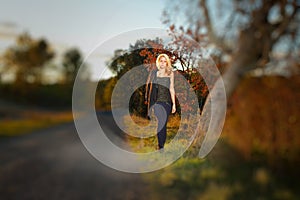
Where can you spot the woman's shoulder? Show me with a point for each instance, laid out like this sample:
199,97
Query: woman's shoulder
154,72
168,76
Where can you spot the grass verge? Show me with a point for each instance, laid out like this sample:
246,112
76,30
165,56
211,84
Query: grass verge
223,174
29,121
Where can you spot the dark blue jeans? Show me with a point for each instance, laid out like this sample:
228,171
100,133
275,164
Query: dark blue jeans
162,111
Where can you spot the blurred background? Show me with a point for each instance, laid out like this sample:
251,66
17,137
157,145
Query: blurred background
254,44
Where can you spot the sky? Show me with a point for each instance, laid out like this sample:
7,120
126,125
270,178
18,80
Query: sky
73,23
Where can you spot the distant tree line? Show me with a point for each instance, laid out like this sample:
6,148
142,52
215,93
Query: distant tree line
36,75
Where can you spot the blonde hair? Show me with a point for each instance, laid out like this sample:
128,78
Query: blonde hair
169,67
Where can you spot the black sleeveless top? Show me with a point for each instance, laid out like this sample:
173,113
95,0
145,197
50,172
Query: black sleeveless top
163,92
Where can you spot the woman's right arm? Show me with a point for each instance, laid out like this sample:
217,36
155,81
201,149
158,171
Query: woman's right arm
147,88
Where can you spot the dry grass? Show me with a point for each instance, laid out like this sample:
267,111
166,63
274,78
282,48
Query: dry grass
144,130
28,121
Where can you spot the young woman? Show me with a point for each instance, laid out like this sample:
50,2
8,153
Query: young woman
160,95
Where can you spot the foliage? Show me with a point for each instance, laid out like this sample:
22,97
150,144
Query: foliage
123,62
224,24
144,52
258,150
100,103
27,58
270,126
246,35
72,60
52,96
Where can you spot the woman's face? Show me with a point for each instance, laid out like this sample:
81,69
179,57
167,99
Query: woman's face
163,62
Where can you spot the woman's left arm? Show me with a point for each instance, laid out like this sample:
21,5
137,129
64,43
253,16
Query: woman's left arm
172,92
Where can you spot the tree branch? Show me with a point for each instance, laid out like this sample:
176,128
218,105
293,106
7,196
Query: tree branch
211,35
281,27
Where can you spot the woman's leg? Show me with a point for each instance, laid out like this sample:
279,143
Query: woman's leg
162,111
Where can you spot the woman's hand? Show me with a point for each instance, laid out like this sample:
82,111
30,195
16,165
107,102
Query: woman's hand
173,108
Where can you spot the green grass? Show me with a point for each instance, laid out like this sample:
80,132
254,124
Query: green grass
223,174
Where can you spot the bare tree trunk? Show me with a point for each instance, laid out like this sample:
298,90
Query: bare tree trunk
213,115
214,111
254,44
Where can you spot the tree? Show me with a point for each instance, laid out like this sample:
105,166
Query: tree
249,32
27,58
176,52
141,53
72,60
144,52
252,33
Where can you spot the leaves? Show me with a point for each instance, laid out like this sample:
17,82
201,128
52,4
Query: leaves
27,57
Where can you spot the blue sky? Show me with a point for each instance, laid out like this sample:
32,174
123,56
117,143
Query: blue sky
74,23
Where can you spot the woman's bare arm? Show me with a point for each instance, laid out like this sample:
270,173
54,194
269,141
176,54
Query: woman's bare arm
172,92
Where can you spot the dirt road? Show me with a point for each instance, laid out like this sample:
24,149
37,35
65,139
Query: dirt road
54,164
